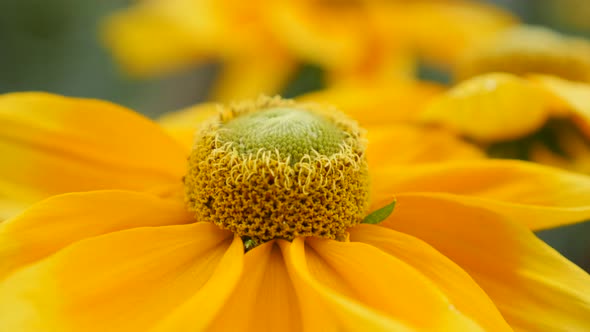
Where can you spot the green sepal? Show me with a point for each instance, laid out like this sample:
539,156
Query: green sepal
248,243
380,214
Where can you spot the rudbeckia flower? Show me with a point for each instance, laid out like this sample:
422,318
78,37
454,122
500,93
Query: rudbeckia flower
261,44
263,224
523,94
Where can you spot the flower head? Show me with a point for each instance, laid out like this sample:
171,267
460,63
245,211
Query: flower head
118,249
261,44
525,50
289,158
528,97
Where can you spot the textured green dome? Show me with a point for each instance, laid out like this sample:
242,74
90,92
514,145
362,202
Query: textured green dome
289,131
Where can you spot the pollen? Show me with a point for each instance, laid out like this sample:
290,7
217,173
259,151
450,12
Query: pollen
274,168
529,50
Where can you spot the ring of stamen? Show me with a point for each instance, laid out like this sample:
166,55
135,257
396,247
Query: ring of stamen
276,169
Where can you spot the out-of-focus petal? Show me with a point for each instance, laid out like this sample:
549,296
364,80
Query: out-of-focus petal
377,105
404,144
52,144
574,96
489,108
59,221
336,273
248,77
332,35
384,66
535,288
525,49
147,43
455,283
183,124
123,281
440,31
152,37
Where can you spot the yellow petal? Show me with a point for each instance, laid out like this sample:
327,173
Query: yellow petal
215,294
489,108
455,283
183,124
153,37
359,273
53,144
326,309
123,281
525,49
264,298
442,30
535,288
537,196
247,77
145,42
377,105
402,144
332,35
59,221
575,97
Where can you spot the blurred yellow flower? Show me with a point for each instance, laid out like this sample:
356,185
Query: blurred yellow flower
527,49
118,251
542,115
261,44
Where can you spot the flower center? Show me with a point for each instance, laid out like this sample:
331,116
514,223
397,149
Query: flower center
276,169
289,132
526,50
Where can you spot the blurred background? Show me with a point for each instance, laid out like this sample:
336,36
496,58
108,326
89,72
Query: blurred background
54,46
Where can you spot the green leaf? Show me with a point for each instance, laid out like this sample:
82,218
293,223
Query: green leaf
379,215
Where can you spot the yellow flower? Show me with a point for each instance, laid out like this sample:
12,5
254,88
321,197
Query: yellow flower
118,251
260,44
542,115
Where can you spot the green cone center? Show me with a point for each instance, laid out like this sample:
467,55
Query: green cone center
293,133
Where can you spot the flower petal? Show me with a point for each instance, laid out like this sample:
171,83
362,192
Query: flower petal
264,298
327,309
492,107
574,96
215,293
443,30
57,144
183,124
249,76
360,275
403,144
59,221
123,281
328,34
535,288
538,196
145,42
455,283
377,105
